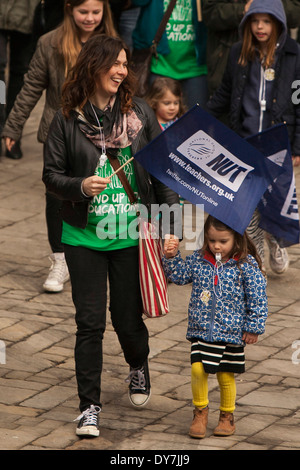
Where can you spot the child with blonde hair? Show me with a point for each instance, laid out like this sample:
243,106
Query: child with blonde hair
165,98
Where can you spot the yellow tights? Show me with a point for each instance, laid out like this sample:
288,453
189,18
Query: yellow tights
200,388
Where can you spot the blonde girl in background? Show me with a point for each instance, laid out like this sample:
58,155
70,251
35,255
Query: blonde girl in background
165,98
54,57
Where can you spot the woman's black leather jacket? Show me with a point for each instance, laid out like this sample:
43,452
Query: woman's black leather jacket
69,157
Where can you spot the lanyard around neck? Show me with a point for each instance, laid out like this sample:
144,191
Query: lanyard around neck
103,156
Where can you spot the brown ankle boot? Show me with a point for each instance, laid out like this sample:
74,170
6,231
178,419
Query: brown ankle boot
198,426
226,425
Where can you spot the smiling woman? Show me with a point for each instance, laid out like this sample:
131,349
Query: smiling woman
100,72
110,81
102,124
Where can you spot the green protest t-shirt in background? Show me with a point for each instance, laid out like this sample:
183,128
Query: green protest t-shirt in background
112,219
181,62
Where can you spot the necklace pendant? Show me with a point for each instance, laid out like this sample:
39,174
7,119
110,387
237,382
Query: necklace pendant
102,159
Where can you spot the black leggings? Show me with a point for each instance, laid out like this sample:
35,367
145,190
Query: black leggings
89,272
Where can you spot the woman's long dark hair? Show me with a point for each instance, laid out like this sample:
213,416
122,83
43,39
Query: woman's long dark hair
242,247
97,56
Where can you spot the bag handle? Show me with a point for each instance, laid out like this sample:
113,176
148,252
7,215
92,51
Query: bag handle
122,177
162,25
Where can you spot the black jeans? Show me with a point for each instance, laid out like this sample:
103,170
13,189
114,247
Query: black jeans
54,223
89,271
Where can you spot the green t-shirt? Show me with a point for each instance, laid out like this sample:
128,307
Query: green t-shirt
181,62
112,220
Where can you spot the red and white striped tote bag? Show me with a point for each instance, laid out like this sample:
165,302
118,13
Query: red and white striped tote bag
152,277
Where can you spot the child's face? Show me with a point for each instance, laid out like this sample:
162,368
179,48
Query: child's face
167,108
261,27
220,241
88,16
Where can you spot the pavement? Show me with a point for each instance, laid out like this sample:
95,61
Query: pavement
38,395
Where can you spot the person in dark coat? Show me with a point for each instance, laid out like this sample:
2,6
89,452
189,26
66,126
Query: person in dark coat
222,18
16,50
47,16
257,89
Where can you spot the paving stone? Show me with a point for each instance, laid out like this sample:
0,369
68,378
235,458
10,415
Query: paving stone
60,438
16,440
266,396
278,435
278,367
49,398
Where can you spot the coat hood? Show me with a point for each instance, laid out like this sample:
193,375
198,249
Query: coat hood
271,7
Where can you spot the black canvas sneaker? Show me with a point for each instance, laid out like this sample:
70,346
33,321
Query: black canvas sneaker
88,425
139,385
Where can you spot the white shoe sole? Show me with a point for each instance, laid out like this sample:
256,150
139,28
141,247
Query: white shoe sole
88,431
53,288
141,399
278,271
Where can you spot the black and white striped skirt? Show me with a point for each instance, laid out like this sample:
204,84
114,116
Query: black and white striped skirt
218,357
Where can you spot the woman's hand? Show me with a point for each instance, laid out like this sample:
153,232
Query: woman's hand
9,143
296,160
94,185
250,338
171,245
247,6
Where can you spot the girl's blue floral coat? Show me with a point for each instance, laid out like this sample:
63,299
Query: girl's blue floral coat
223,305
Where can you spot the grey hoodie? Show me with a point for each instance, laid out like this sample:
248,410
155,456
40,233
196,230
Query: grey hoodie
258,92
271,7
